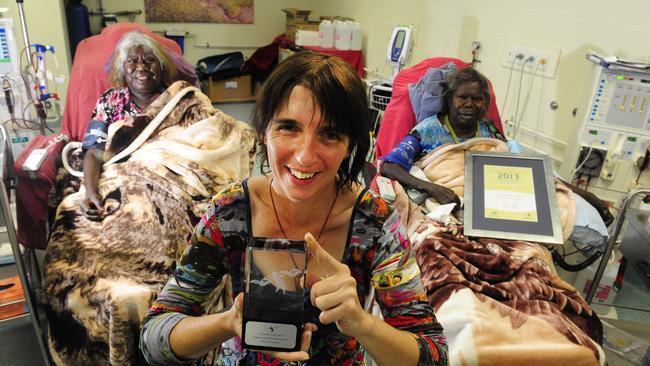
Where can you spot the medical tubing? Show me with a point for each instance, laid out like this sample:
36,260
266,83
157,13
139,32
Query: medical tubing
591,148
505,99
587,248
9,98
521,79
530,90
559,260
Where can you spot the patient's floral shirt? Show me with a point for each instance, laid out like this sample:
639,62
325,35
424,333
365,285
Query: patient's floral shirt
113,105
378,254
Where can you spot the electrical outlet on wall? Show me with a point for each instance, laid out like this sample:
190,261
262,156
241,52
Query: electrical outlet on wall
515,55
541,61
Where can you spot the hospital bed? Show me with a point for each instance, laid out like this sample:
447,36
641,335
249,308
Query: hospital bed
88,79
99,279
499,301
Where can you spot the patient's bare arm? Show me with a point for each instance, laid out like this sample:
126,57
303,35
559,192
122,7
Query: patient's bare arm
441,194
91,205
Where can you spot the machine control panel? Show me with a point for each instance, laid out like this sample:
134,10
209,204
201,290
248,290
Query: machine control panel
8,53
614,137
622,100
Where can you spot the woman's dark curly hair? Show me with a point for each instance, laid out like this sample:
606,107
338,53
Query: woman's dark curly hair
338,92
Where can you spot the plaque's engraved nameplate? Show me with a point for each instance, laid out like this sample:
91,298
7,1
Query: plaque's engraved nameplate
275,335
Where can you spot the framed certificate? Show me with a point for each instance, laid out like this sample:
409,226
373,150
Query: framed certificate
511,196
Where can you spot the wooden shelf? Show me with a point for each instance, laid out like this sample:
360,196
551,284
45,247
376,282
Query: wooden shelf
235,100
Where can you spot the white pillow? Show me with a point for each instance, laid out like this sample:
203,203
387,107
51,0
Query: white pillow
589,227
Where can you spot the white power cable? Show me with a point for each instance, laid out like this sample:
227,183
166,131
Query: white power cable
525,106
521,78
505,99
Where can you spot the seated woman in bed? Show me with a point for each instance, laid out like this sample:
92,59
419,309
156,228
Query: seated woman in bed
467,98
114,243
141,69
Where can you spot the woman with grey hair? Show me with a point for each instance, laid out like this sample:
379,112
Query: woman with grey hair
140,70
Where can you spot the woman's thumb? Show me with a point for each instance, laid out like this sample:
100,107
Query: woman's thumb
239,302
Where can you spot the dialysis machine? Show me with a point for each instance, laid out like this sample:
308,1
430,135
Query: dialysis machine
613,142
14,97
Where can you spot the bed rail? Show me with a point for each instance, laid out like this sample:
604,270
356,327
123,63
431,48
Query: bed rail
6,164
618,226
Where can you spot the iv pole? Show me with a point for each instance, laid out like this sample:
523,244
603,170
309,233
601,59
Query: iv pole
20,264
23,24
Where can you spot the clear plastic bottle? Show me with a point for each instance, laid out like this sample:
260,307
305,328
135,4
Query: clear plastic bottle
342,36
326,34
356,36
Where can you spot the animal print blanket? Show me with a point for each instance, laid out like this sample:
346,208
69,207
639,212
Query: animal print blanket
500,302
100,277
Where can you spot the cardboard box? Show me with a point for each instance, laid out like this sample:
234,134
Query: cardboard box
293,28
237,89
12,299
306,38
296,15
298,19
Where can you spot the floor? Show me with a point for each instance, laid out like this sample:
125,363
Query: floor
18,342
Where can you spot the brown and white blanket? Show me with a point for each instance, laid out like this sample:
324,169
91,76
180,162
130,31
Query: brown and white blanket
500,302
100,277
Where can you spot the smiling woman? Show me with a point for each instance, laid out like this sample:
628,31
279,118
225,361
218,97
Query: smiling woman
312,120
140,70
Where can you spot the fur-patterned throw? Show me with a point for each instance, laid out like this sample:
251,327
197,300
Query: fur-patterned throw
99,277
500,302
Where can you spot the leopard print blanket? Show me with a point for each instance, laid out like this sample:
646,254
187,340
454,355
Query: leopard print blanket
100,277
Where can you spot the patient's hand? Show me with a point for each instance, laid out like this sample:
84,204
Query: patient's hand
92,207
442,195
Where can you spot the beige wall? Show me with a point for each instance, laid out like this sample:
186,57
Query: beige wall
45,25
444,28
447,28
269,22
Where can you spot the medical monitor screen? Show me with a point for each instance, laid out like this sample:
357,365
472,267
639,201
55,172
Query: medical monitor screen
399,39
